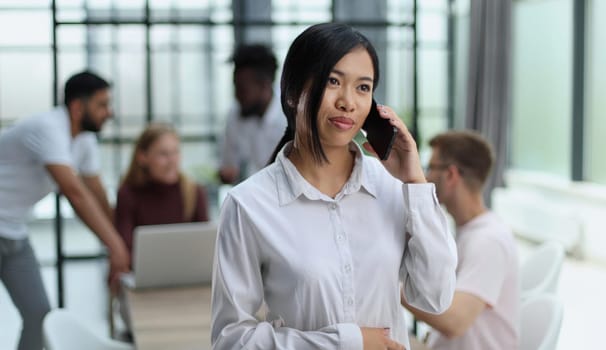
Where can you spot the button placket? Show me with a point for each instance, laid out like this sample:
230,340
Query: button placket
348,284
345,261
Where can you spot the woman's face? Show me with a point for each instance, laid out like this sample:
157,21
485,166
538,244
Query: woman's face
162,159
347,99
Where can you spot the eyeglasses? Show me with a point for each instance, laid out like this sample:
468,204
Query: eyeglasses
440,166
435,167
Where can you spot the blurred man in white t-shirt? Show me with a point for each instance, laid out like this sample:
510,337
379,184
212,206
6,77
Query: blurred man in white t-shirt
485,308
39,154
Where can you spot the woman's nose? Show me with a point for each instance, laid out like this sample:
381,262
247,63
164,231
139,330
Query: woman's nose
345,102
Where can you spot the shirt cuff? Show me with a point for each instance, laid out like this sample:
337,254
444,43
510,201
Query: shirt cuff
350,336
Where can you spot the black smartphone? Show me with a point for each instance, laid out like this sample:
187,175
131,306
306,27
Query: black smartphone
379,133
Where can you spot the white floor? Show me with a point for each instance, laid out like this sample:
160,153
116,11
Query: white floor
584,295
582,288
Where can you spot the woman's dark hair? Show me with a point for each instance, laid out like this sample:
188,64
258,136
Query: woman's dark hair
308,64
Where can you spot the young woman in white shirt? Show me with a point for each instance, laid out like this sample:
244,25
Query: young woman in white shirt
325,234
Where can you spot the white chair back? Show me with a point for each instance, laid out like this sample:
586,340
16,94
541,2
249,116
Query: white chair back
540,272
541,320
63,332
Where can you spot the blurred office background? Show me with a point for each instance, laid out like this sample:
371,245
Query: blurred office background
529,74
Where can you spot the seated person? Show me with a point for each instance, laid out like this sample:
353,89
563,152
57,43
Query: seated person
485,308
154,190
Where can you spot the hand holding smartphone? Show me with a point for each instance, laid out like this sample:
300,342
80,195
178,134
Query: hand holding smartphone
379,132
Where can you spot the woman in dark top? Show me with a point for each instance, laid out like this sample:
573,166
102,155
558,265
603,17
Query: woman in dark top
154,190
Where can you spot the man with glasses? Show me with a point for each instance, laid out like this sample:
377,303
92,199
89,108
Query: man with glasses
485,307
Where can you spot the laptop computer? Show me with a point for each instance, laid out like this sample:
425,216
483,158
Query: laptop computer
172,255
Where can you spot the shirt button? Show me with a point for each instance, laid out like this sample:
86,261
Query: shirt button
333,206
340,238
350,301
347,268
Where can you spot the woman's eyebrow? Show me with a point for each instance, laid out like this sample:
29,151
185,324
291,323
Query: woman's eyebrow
342,74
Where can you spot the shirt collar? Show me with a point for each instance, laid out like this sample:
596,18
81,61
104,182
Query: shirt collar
291,184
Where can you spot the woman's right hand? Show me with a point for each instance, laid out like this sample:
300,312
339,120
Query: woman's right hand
403,162
378,339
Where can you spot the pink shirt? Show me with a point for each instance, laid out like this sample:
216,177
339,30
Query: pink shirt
488,269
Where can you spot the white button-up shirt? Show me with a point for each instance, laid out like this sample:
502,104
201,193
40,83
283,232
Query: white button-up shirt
327,266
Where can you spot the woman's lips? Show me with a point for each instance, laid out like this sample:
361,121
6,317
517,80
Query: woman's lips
342,123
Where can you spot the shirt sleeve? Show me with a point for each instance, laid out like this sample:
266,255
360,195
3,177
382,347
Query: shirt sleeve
430,257
237,294
48,144
483,270
124,216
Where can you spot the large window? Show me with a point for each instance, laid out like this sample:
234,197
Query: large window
432,63
541,88
169,66
596,86
432,58
167,60
460,69
25,59
172,65
543,109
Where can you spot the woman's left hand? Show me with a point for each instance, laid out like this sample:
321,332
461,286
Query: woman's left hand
403,161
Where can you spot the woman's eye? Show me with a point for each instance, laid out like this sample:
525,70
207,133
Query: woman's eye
365,88
333,81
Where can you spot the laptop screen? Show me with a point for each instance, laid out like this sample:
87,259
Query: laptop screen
173,254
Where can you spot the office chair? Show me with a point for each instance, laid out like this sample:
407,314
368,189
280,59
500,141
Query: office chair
62,331
541,320
540,272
